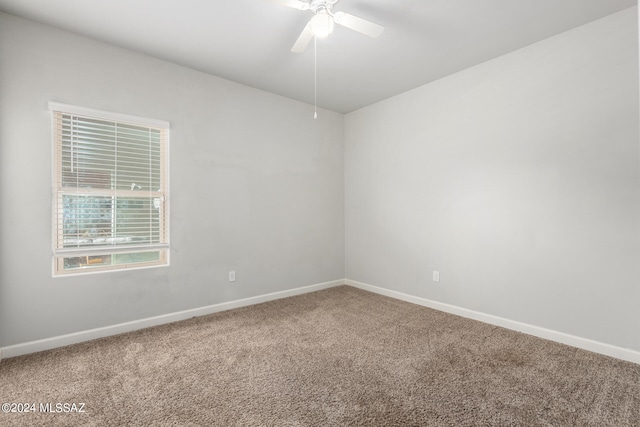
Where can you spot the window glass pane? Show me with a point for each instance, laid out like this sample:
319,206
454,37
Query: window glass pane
88,147
99,154
136,257
95,261
86,218
136,220
106,220
87,261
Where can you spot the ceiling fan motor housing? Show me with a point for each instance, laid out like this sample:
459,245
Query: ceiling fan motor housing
321,5
324,20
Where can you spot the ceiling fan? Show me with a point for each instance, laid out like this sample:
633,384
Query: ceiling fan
323,20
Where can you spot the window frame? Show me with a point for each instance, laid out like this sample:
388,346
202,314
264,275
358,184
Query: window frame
59,251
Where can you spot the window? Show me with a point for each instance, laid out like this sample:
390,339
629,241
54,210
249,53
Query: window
110,191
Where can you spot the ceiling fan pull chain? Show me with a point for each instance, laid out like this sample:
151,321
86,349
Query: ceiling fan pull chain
315,77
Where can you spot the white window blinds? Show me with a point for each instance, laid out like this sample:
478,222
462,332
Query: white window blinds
110,190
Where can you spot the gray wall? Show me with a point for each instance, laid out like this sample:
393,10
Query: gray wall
517,179
256,186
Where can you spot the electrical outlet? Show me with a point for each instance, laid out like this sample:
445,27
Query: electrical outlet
436,276
232,276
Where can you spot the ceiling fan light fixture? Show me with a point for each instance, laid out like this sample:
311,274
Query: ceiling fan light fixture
322,24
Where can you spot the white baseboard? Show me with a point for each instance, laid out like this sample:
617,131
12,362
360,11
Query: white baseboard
560,337
78,337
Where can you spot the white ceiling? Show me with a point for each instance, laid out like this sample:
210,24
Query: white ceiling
248,41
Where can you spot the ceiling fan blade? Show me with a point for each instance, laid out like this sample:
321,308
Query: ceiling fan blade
295,4
303,40
358,24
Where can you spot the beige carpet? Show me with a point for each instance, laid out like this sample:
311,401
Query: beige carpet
339,357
